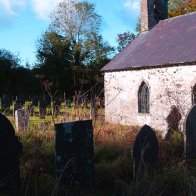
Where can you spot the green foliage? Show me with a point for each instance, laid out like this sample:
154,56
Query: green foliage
72,52
181,7
124,39
14,78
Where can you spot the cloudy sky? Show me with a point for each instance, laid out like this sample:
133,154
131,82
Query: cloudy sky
23,21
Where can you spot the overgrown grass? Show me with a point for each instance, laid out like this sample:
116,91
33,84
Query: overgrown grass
113,163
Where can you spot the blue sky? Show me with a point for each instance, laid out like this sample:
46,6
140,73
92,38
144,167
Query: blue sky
23,21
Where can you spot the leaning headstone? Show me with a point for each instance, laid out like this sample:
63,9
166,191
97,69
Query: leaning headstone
22,119
145,152
10,151
173,121
75,153
190,134
30,108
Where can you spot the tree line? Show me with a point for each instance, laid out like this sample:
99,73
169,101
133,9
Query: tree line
70,53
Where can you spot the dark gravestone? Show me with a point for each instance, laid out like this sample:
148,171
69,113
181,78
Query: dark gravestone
75,153
173,121
42,109
145,152
190,134
35,101
20,100
10,151
30,108
5,103
68,103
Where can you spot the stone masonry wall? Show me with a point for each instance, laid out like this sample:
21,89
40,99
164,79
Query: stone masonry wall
167,86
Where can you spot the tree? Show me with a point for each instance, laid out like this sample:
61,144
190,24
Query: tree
72,50
15,79
78,22
54,56
180,7
124,39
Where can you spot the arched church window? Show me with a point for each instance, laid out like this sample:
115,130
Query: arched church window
194,95
143,98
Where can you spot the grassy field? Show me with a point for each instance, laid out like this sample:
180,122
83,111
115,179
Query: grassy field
113,162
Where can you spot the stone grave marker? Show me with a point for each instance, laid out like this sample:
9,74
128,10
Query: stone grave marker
30,108
190,134
20,100
35,101
145,152
75,153
42,109
17,106
10,151
22,119
68,103
5,103
93,113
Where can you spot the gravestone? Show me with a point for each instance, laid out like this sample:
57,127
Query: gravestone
68,103
22,119
17,106
93,113
20,100
145,152
75,153
35,101
42,109
190,134
30,108
5,103
10,151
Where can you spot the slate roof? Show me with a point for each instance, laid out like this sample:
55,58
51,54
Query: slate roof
170,42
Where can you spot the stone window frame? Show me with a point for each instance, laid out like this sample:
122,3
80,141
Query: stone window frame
143,98
193,94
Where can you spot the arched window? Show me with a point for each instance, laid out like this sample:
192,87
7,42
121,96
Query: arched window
143,98
194,95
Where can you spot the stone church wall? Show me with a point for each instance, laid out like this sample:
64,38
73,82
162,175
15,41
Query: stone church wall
168,86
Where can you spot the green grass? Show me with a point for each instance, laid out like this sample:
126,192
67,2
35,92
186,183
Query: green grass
113,162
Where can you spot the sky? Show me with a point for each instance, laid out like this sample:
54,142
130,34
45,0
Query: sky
22,22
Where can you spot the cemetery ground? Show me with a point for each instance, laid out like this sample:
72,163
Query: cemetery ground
113,161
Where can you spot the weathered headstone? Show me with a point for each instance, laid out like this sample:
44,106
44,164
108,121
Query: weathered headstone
10,151
22,119
173,121
190,134
75,153
17,106
93,113
145,152
30,108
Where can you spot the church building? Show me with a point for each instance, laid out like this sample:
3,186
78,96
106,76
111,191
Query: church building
155,72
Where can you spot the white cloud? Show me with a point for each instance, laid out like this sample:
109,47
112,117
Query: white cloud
132,5
11,7
43,8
